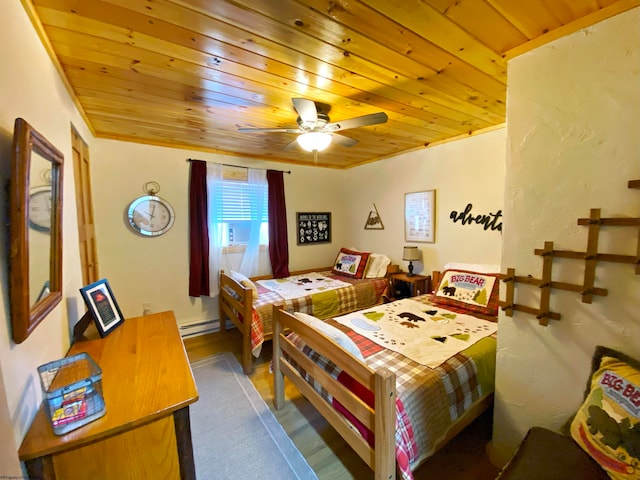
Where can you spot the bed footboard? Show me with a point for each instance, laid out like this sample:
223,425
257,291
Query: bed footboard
236,303
380,419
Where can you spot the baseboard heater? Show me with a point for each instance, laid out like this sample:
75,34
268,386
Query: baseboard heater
193,329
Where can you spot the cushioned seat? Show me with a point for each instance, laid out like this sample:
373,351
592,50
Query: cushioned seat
547,455
604,434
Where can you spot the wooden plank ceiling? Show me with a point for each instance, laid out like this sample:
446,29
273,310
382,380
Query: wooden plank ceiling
189,73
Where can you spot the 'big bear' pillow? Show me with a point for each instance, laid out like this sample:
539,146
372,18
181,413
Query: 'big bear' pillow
473,291
607,425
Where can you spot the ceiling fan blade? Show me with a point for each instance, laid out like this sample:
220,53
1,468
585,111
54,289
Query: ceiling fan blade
362,121
291,145
342,140
285,130
306,109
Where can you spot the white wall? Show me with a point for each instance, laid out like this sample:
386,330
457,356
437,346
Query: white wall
156,270
461,172
573,116
30,88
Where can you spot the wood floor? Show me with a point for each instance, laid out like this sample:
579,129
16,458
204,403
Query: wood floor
330,457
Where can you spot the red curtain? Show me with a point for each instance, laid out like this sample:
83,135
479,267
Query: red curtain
198,230
278,242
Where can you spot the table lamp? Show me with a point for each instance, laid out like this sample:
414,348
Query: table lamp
411,254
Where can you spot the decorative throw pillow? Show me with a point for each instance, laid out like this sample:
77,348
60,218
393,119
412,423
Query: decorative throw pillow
245,282
350,263
473,291
607,425
332,332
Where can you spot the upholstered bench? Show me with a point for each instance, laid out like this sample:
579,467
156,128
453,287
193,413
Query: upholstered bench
602,439
547,455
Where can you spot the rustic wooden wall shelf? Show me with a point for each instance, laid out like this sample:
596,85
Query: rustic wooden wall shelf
591,257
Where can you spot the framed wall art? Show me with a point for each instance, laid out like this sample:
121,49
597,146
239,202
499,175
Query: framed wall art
374,222
313,227
419,216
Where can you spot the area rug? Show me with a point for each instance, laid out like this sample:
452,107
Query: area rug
235,435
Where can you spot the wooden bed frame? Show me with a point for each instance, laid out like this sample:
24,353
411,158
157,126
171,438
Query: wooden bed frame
239,304
380,419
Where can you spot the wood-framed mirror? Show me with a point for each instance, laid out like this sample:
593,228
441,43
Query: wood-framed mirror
35,279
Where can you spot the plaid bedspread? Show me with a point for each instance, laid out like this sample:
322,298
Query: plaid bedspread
430,400
361,293
406,448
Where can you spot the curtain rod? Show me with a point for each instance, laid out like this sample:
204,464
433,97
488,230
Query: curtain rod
237,166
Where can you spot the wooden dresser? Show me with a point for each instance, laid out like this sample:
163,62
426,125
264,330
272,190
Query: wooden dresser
148,386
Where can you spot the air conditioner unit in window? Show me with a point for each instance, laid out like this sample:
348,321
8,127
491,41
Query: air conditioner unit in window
239,235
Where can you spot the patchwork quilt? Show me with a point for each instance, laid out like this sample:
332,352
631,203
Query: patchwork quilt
430,400
301,285
356,294
428,335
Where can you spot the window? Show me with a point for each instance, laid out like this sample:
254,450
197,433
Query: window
240,202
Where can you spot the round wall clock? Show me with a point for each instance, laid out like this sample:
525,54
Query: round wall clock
150,215
40,208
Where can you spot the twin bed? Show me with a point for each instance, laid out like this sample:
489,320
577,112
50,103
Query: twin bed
396,380
409,391
357,280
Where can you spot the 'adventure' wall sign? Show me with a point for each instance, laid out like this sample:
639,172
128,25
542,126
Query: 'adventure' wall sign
487,221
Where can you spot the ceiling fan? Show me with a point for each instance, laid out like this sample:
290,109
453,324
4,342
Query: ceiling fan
316,131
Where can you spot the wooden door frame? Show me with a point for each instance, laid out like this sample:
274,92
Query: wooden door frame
84,209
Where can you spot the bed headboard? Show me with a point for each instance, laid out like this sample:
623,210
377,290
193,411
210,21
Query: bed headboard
474,267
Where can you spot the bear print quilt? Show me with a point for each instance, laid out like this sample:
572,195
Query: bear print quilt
428,335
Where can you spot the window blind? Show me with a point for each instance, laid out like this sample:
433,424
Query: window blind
239,200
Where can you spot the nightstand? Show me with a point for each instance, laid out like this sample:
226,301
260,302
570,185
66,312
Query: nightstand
409,286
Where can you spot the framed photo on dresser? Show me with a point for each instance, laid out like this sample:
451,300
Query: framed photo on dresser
102,306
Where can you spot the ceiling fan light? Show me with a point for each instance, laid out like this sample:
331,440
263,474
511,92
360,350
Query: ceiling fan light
314,141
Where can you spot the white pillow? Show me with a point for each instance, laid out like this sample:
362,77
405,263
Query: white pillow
244,281
332,332
377,266
473,267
